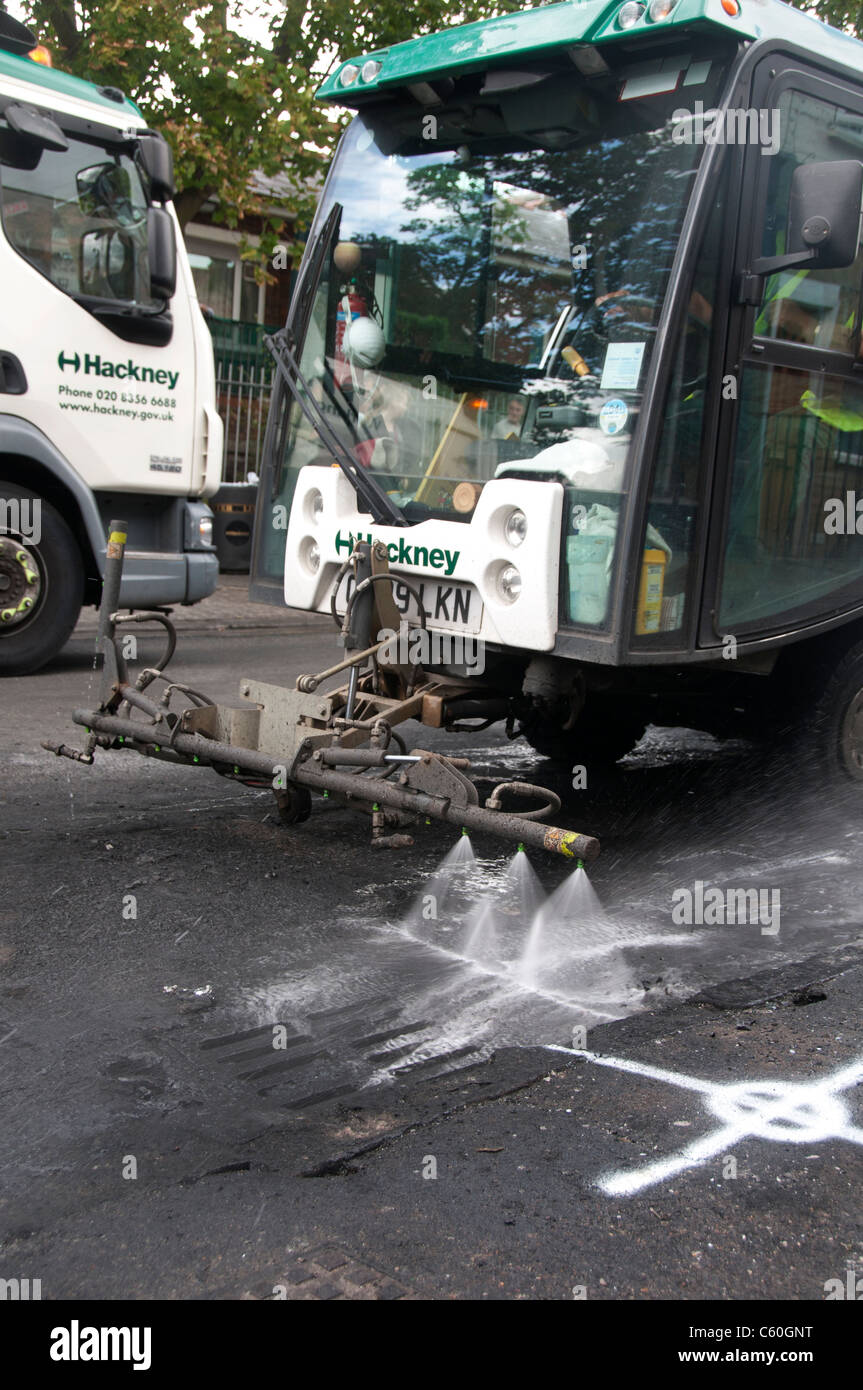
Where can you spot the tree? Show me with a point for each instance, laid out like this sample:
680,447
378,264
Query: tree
229,104
842,14
309,28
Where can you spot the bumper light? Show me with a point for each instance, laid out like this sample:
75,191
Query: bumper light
630,14
311,555
509,584
515,529
314,506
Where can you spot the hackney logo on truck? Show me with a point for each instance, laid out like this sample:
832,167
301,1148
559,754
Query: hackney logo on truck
401,553
93,364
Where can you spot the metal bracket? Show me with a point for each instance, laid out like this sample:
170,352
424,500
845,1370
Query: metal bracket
438,776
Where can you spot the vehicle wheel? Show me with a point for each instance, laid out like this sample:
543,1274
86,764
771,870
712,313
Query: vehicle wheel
603,736
41,587
830,737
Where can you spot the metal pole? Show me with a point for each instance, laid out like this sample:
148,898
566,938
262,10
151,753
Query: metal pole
111,580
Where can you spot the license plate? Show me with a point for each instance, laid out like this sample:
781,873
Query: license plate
455,607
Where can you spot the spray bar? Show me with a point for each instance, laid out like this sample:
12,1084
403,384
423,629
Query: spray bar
569,843
196,748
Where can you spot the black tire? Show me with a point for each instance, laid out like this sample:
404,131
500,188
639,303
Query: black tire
29,641
603,736
829,738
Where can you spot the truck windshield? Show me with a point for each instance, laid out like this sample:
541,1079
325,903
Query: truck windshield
491,290
78,215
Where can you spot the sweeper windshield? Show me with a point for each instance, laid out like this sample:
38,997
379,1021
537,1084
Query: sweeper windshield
491,281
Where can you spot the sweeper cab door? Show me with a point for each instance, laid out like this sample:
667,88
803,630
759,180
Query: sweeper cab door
786,538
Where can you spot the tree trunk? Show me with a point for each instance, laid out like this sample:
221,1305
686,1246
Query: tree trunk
188,203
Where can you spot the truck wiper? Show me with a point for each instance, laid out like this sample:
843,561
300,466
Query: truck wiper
382,508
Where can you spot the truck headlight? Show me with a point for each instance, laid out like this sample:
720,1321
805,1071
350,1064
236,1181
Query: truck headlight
205,530
515,529
509,584
630,14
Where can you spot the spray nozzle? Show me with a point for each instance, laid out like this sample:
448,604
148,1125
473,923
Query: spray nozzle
579,863
520,849
464,830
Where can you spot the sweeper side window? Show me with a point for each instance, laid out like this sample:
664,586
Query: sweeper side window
664,599
794,541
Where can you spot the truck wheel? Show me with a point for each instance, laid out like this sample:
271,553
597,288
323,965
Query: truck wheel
41,585
605,737
831,739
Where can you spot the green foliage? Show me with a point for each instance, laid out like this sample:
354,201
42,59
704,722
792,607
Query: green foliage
311,27
842,14
228,104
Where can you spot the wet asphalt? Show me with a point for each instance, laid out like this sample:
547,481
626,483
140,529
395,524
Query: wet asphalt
415,1131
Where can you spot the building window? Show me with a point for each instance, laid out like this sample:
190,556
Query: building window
214,282
224,283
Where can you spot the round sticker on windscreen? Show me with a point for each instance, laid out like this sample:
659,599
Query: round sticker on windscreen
613,416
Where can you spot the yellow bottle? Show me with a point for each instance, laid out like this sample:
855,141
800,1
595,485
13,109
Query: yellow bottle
649,612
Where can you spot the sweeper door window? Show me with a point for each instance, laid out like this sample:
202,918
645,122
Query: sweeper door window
792,545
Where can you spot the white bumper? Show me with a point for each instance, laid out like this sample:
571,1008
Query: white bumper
472,553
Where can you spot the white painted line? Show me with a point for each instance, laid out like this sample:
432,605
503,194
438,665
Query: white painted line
801,1112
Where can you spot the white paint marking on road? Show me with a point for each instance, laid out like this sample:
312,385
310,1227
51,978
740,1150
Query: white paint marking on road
781,1111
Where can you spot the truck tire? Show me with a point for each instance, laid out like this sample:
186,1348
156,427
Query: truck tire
41,585
829,739
600,736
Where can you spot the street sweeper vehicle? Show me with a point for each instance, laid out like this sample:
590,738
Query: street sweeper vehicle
107,383
567,429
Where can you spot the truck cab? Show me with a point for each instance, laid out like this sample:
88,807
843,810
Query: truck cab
579,321
107,385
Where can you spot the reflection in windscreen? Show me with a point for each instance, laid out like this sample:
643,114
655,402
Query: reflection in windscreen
494,301
78,215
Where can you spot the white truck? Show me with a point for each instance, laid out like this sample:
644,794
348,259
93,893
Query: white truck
107,383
